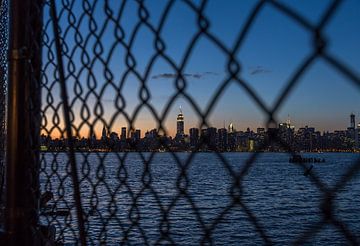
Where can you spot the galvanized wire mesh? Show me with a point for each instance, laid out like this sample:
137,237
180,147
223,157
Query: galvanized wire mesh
78,67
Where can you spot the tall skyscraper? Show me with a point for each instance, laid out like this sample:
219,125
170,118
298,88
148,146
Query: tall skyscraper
180,124
137,134
352,121
231,128
104,133
123,133
357,132
211,134
222,139
194,136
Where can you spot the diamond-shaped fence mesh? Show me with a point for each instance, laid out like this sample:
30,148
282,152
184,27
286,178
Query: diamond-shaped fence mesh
99,187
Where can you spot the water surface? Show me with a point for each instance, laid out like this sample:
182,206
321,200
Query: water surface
129,195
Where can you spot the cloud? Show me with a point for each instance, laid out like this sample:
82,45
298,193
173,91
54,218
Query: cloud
186,75
164,76
259,70
211,73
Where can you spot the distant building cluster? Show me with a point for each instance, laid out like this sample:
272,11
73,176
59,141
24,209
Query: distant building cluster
284,137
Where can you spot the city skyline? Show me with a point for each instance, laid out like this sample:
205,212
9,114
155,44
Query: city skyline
223,139
185,127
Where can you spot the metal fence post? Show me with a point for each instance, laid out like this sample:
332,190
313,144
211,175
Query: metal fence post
23,124
3,87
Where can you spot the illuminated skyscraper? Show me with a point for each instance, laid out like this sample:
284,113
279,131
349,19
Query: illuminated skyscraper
180,124
231,128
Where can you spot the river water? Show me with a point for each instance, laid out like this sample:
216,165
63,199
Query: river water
121,208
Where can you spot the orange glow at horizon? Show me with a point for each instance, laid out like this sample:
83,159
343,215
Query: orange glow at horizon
85,130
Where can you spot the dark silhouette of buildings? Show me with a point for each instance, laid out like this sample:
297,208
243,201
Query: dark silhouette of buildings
277,138
352,121
194,137
123,134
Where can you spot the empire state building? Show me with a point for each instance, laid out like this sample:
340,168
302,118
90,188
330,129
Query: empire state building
180,124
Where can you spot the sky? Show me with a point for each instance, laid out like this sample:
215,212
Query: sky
272,50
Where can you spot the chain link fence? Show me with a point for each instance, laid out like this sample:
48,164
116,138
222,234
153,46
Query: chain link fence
104,189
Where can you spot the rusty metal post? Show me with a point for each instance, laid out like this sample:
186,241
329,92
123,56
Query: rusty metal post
22,199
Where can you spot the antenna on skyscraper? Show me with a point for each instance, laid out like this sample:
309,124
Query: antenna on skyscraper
180,109
288,121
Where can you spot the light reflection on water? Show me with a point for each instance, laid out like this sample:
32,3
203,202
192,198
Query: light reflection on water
283,200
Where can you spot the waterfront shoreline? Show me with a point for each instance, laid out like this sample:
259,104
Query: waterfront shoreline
201,151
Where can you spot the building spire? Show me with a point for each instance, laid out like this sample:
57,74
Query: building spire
180,109
104,132
288,121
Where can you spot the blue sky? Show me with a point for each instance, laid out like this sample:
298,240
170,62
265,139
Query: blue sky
274,47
